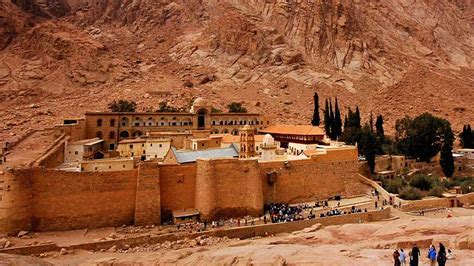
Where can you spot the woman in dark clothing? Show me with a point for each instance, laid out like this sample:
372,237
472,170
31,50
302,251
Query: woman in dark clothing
415,253
396,258
441,255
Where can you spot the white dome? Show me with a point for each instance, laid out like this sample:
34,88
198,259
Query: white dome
268,140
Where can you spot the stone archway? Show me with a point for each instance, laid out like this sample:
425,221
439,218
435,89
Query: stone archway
202,113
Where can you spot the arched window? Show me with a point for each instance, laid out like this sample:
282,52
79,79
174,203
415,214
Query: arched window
124,134
99,134
99,122
112,135
112,122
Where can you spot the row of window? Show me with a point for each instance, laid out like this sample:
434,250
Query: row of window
151,122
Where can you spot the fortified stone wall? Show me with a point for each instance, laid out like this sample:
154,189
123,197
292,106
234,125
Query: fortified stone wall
148,198
177,187
44,199
15,207
228,187
320,177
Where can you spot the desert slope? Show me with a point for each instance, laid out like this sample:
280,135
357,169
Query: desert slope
59,58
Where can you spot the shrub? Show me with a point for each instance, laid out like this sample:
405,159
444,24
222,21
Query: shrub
436,191
424,182
410,193
122,106
236,108
395,185
467,186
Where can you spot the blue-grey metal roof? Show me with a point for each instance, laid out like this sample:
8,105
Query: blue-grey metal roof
192,156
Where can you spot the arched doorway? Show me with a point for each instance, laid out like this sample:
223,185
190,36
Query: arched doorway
202,118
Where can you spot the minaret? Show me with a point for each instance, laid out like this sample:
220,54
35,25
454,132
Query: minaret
247,142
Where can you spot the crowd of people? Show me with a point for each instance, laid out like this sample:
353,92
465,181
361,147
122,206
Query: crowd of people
339,212
280,213
400,257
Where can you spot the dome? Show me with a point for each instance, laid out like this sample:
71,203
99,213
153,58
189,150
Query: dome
268,140
200,102
247,127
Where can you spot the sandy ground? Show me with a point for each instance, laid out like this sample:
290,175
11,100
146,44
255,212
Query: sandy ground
350,244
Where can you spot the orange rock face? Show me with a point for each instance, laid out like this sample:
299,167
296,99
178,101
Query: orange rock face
392,57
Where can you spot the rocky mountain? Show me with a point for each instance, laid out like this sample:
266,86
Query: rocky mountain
59,58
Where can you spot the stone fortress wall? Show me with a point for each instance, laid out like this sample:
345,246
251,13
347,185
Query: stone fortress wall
44,199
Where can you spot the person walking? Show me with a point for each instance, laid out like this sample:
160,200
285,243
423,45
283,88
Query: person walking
441,255
403,257
432,255
396,258
415,253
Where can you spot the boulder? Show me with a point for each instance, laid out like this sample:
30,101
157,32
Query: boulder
63,251
22,233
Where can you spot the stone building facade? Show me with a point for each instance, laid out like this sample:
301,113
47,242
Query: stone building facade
113,127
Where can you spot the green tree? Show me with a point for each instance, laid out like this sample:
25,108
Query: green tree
327,119
447,160
316,119
337,121
379,126
466,137
331,120
235,107
367,146
423,136
357,118
122,106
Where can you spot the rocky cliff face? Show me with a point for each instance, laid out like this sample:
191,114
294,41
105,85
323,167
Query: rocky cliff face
390,57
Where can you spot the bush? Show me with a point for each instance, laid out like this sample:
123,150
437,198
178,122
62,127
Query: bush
236,108
467,186
424,182
410,193
436,191
395,185
122,106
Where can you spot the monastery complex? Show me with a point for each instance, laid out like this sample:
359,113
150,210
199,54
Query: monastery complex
113,169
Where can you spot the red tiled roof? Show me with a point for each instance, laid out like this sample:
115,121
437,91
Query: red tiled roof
301,130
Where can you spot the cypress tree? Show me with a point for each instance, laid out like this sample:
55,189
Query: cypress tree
331,120
470,138
327,122
379,126
371,121
447,160
367,146
357,118
337,121
316,119
346,122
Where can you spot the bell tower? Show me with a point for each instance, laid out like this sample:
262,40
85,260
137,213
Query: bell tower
247,142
